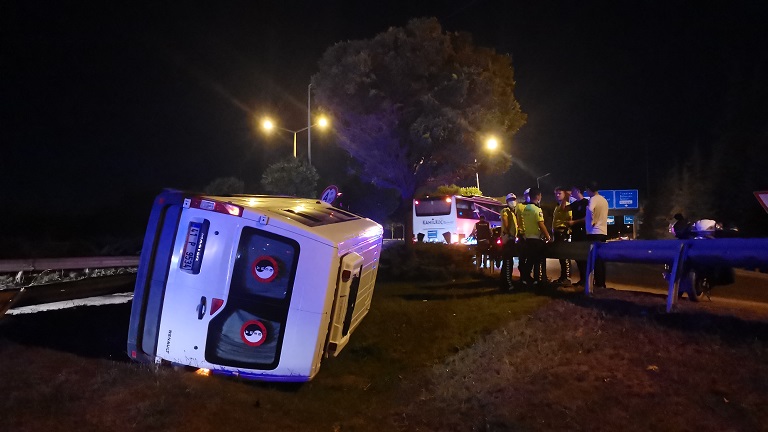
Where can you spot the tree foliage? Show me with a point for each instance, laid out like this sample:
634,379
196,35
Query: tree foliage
365,199
291,177
457,190
413,105
225,186
687,190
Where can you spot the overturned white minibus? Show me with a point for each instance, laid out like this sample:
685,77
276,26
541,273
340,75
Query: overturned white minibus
261,287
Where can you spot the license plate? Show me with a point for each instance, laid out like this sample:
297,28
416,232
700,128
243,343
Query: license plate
194,246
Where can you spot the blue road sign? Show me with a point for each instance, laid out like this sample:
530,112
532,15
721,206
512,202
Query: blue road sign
611,220
629,219
608,195
626,198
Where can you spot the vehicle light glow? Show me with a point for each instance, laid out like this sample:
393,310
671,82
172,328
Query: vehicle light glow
233,209
447,200
372,232
216,206
203,372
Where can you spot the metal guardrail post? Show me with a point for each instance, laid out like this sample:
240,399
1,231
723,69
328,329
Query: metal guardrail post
675,274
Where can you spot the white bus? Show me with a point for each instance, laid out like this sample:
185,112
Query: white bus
451,219
255,286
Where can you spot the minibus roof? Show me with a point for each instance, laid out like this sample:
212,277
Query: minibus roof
309,217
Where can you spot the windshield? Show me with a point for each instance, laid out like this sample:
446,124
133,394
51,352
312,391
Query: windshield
433,206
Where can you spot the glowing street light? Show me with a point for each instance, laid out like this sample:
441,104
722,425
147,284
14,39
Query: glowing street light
268,125
491,144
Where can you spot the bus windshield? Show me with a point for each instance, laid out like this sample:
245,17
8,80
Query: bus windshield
433,207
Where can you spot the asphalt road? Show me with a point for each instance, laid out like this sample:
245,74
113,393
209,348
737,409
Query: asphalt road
748,292
748,286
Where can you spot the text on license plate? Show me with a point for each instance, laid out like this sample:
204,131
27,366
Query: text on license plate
194,246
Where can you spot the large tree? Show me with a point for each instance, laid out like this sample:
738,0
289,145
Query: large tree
291,177
225,186
414,105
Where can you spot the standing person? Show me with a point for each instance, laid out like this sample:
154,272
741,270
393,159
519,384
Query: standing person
519,208
578,226
597,227
482,233
682,228
509,240
561,231
533,231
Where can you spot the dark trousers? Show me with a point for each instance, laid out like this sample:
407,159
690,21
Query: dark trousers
482,252
508,253
532,258
581,265
599,264
565,264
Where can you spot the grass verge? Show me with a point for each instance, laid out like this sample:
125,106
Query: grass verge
82,380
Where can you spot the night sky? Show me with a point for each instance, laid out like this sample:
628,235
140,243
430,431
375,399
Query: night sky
105,103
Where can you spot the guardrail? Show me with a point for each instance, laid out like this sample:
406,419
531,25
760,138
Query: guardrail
680,254
35,264
66,290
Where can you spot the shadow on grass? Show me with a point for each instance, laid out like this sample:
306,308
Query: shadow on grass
96,332
475,288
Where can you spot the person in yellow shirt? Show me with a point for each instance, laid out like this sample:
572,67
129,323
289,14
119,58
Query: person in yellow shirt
535,234
509,241
561,230
519,207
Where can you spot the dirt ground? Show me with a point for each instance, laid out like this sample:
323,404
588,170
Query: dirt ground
613,361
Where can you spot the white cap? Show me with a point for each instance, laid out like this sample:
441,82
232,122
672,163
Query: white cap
511,197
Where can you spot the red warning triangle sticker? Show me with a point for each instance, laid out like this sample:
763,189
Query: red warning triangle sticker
763,198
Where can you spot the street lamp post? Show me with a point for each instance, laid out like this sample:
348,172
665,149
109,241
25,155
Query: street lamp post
309,124
268,125
477,177
541,177
491,144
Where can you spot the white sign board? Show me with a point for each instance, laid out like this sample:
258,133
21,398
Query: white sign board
329,194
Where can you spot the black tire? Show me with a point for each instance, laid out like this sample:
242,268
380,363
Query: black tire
701,287
698,287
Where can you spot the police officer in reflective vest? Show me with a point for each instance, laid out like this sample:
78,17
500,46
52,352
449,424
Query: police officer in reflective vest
509,241
482,233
